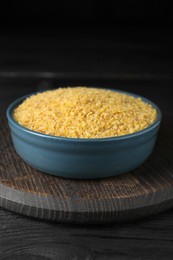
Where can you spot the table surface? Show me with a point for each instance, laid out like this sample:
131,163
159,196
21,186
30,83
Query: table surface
26,238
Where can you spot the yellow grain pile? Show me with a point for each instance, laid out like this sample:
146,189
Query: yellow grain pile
82,112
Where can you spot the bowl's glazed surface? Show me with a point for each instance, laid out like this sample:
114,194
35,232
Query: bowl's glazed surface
83,158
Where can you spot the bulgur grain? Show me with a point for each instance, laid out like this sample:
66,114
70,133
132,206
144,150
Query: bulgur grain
82,112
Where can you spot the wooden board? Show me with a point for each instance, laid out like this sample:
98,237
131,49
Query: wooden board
145,191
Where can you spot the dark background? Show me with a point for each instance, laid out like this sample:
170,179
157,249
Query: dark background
86,36
67,12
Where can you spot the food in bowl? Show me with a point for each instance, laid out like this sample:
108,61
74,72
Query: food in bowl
82,112
106,149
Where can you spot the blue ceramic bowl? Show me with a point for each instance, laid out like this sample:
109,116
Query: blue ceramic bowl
83,158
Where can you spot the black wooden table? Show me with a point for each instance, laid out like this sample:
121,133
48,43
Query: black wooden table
143,68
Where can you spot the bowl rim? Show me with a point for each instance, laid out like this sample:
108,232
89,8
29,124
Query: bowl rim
18,101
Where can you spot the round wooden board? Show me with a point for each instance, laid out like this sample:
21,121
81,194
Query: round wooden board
145,191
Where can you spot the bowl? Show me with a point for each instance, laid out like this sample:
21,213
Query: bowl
80,158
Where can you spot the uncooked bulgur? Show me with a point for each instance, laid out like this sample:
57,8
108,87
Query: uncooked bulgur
82,112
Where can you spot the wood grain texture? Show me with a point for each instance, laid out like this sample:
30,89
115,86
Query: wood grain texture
26,238
142,192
